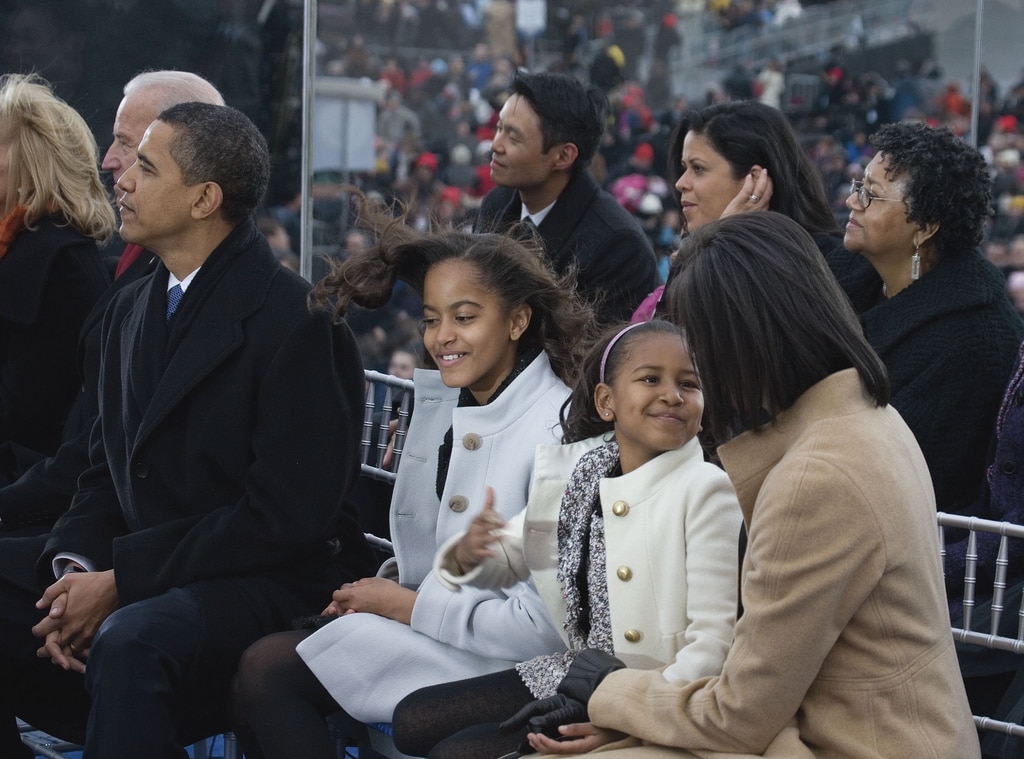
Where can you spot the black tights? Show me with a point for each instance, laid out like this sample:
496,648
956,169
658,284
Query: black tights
278,707
460,720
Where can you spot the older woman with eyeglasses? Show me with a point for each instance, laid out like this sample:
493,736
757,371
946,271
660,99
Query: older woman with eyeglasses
932,307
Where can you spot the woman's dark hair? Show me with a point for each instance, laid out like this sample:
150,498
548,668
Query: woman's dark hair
747,133
765,320
579,416
513,269
947,182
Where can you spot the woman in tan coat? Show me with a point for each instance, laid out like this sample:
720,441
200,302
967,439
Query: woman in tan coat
843,648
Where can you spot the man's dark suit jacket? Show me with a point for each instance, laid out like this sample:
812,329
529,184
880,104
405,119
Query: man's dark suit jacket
588,229
226,442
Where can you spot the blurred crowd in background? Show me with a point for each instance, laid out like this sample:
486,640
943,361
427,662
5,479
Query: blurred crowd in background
446,65
436,120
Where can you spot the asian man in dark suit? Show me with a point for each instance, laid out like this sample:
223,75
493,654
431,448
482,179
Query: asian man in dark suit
548,131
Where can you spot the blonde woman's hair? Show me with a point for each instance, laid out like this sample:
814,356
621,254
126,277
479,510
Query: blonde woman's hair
53,160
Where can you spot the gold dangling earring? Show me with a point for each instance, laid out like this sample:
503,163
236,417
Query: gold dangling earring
915,264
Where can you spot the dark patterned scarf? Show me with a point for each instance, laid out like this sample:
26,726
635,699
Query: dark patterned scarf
582,561
576,538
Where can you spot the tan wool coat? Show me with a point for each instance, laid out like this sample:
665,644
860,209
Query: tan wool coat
844,649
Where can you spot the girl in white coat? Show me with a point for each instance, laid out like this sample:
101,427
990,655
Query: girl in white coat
629,535
503,333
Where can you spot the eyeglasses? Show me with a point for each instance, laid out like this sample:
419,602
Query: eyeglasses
865,196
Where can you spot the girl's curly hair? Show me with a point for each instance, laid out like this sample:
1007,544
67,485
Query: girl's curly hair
947,182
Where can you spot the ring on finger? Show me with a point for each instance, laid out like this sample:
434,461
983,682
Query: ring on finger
755,198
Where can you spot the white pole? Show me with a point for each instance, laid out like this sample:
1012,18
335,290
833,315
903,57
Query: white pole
979,14
308,73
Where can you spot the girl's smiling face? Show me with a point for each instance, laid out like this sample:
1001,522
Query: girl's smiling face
654,398
471,335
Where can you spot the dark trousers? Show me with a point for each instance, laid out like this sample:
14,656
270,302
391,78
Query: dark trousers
31,688
142,682
141,694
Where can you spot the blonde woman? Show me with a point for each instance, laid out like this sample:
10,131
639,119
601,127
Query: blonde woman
54,212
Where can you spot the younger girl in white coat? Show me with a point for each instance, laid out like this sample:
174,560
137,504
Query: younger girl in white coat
629,535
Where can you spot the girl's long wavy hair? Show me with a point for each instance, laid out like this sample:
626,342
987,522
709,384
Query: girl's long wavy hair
513,269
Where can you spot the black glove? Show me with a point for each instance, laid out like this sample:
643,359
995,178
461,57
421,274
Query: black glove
545,715
569,704
586,672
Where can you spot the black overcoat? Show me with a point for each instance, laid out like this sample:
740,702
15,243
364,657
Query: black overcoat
42,486
226,441
588,229
50,278
949,341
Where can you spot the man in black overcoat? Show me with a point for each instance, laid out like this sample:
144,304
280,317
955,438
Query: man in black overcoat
547,133
214,508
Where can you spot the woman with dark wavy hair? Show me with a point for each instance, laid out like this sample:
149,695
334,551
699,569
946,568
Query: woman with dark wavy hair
932,307
738,157
752,154
506,336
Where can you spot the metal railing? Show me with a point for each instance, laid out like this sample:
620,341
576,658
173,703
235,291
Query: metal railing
709,52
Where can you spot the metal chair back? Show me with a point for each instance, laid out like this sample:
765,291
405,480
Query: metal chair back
996,632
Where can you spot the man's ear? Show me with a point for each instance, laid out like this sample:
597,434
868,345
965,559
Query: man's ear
566,156
209,200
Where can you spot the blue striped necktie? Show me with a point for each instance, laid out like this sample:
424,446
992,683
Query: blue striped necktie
173,299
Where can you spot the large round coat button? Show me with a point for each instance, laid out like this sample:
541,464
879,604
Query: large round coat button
624,573
620,508
1008,467
141,470
633,636
458,503
471,441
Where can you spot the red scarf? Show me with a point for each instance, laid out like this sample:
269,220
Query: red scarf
10,226
128,257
